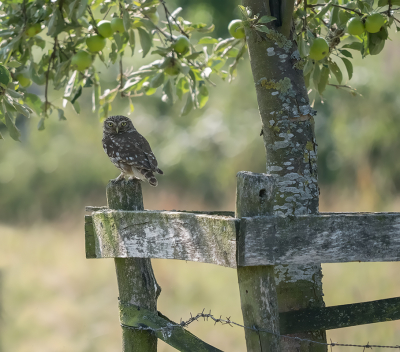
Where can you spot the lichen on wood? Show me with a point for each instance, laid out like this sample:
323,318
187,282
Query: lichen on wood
287,120
257,286
168,235
136,281
322,238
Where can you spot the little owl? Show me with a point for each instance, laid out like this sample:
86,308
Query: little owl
128,150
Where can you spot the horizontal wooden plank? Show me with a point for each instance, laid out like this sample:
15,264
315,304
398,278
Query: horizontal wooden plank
343,316
177,337
323,238
164,234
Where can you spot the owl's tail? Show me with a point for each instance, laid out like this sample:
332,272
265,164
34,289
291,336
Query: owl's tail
149,177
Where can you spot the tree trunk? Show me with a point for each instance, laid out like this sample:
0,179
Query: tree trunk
136,282
287,127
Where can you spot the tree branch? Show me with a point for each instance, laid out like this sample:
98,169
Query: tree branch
287,8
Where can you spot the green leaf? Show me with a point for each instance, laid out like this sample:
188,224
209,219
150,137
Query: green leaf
194,55
12,129
9,104
40,125
22,109
145,41
266,19
96,93
182,87
132,40
168,96
34,102
382,3
323,79
316,75
188,106
76,107
377,47
157,80
208,40
355,46
308,67
349,67
336,71
81,8
13,64
14,94
127,21
77,95
202,95
334,18
346,53
324,10
61,116
151,91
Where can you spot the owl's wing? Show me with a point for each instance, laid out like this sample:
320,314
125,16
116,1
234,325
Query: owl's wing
131,149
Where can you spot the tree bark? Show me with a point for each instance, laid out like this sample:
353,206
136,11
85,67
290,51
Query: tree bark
136,281
288,133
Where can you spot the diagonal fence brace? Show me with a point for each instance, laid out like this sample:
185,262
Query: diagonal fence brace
132,316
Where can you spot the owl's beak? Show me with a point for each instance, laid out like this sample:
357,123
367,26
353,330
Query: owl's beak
116,128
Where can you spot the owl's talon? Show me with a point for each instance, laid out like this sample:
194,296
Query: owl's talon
120,178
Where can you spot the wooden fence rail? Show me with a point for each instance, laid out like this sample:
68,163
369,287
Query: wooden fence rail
250,243
260,240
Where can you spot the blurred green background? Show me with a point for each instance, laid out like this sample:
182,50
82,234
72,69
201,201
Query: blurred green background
55,300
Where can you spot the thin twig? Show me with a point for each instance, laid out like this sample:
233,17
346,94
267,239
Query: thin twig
342,7
175,20
46,89
93,19
121,82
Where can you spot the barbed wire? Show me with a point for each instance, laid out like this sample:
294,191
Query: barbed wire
229,322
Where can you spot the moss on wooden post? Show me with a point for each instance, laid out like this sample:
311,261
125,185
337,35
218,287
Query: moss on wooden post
136,282
256,283
287,125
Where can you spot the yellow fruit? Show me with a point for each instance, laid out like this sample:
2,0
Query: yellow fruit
33,30
154,17
355,26
374,23
182,44
104,28
236,29
319,49
95,43
117,25
5,76
24,81
81,60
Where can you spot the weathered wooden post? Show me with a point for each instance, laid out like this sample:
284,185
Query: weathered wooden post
287,128
257,283
136,282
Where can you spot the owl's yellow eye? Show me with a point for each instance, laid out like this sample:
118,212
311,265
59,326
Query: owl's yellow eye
123,124
110,124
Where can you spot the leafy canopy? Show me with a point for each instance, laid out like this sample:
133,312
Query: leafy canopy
181,69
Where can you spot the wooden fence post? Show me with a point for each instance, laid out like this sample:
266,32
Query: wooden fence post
136,282
291,148
257,283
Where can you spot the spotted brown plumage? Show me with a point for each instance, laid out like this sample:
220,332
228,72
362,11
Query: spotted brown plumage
128,150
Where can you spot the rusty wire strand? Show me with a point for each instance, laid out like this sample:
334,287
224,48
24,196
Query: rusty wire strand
229,322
